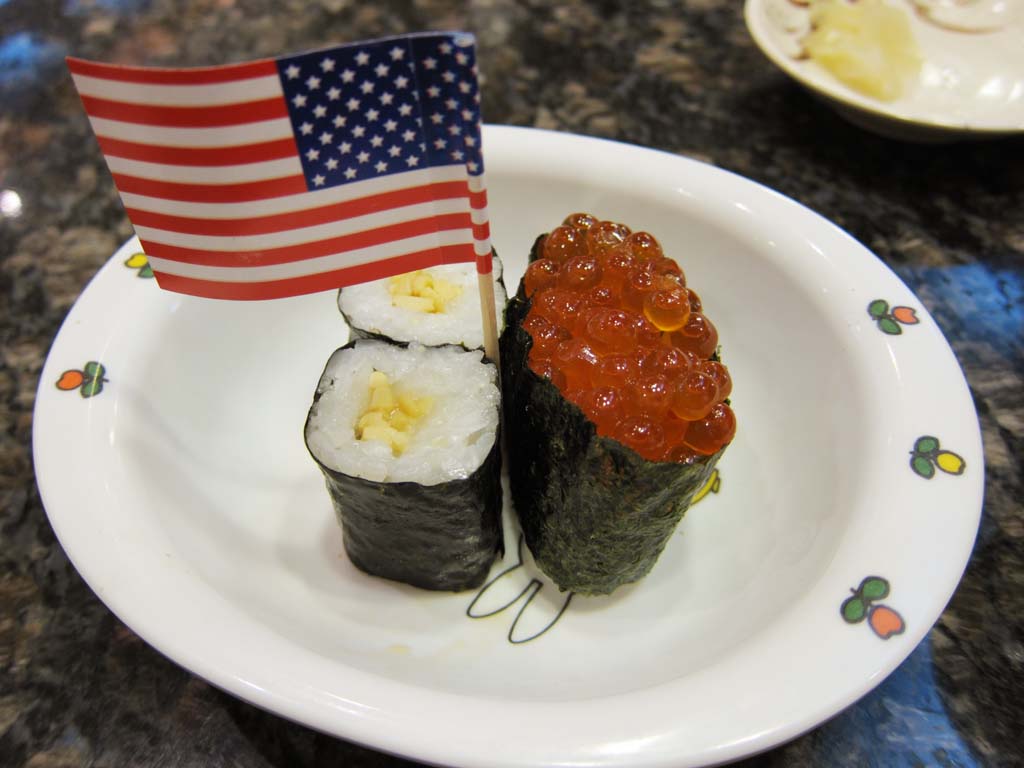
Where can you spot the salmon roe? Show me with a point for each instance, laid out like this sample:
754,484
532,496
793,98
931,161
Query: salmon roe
616,329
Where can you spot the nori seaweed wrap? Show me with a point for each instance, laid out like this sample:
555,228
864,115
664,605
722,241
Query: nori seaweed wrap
444,531
595,513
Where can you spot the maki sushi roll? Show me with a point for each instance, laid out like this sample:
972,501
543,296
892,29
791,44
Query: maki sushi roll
616,404
407,440
439,305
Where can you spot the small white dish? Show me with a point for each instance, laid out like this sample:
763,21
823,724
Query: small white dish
971,84
185,497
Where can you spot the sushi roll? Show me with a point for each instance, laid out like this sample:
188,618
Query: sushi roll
439,305
407,440
616,404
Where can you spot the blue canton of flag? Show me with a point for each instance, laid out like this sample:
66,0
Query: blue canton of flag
374,109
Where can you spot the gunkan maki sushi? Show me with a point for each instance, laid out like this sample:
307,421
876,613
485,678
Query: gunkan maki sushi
407,440
616,403
434,306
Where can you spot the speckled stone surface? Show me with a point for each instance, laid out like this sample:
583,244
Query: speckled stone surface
78,688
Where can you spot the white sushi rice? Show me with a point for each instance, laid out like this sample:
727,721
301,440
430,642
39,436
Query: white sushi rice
368,306
448,443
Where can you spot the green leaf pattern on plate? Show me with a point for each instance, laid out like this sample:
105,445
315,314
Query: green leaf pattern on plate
884,621
878,308
140,262
88,380
922,466
890,321
874,588
94,370
853,610
91,387
927,456
889,326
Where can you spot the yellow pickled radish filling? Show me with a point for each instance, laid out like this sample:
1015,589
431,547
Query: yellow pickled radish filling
868,45
391,417
422,291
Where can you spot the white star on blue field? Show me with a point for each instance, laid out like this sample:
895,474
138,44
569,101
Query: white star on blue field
373,109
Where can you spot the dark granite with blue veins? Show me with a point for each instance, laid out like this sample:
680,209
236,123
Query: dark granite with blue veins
78,688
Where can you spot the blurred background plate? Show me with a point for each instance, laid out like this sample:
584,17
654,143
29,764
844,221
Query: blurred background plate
971,84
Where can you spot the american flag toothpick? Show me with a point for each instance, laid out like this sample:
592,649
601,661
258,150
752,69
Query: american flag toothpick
304,173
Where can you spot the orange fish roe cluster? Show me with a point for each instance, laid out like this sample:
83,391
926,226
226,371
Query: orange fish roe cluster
615,328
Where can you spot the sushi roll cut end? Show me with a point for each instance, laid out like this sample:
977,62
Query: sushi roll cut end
423,291
435,306
407,440
391,419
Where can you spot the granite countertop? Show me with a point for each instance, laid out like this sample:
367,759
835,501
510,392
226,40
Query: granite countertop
79,688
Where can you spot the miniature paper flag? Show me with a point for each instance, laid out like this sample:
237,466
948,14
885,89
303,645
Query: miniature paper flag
299,174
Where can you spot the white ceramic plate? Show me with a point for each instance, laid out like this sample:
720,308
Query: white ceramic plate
185,497
971,85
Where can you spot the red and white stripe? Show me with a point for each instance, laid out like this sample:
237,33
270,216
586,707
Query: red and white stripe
207,168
